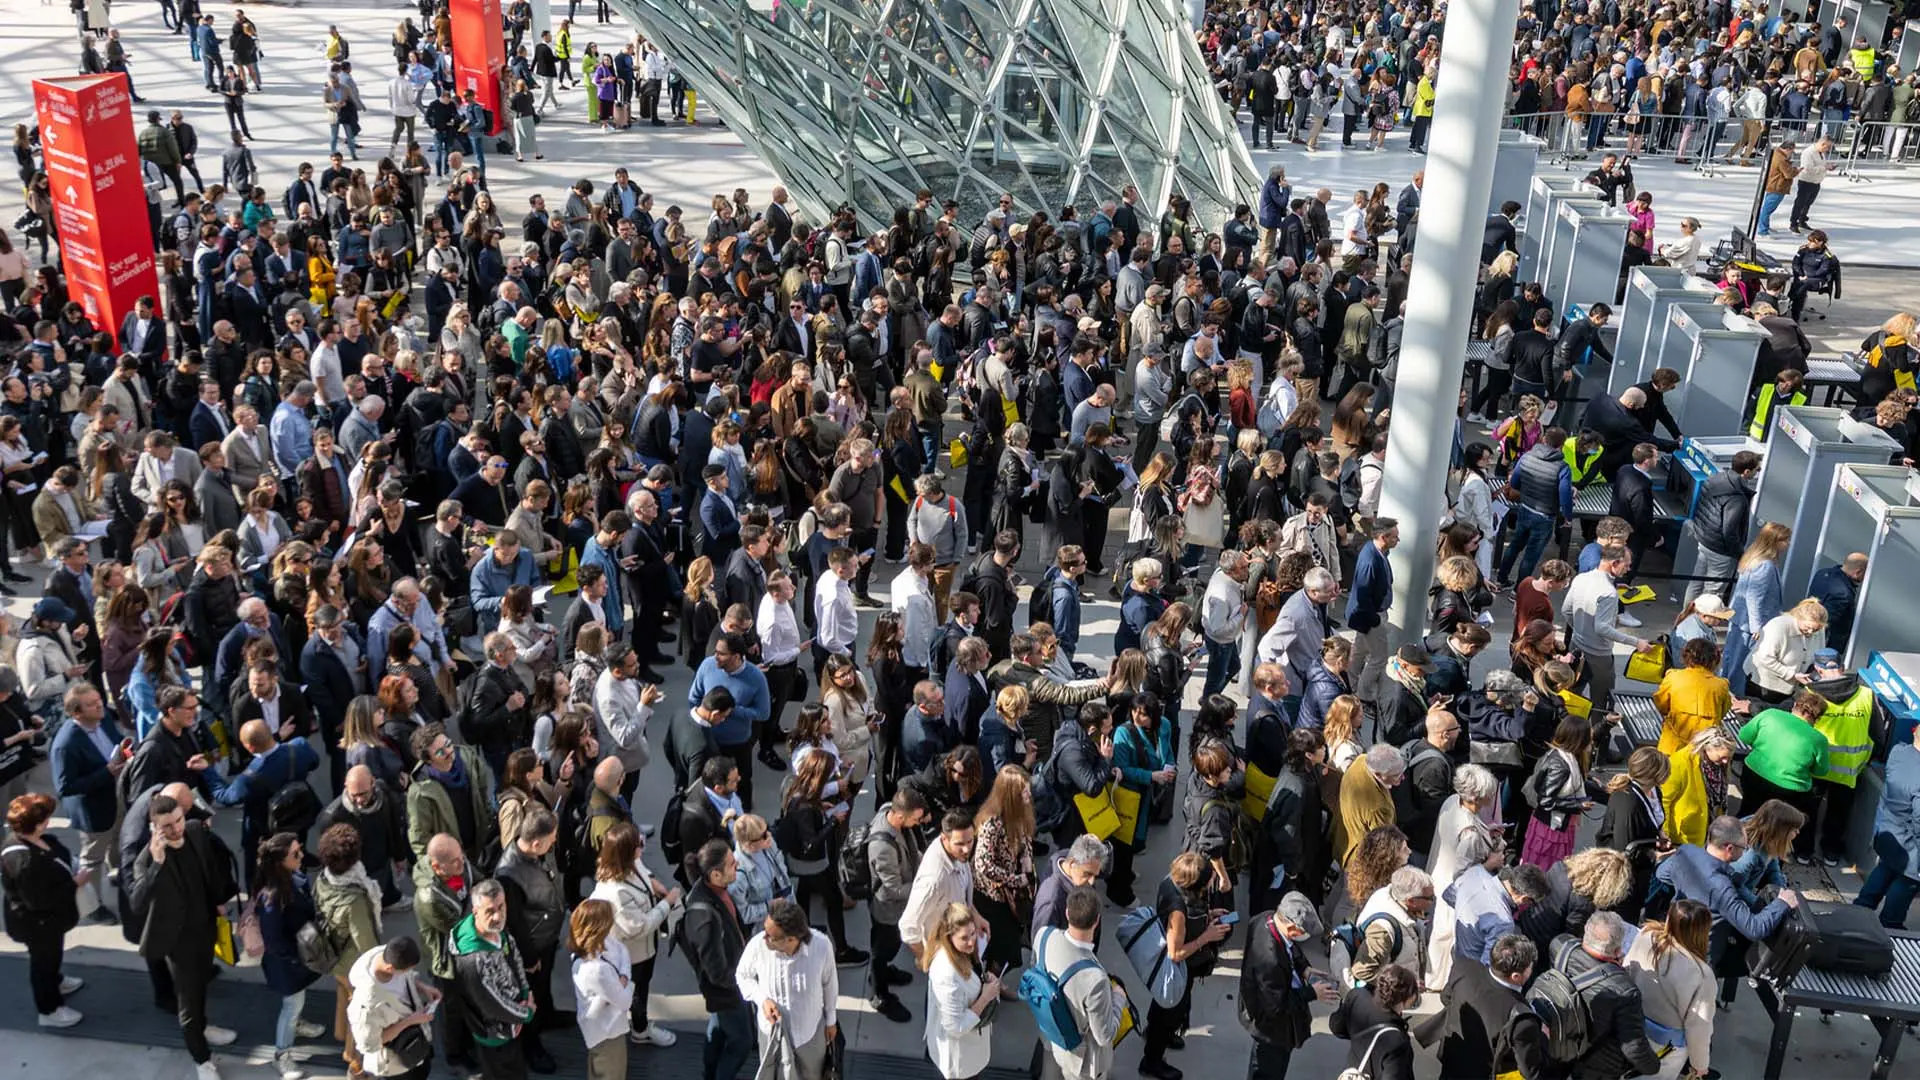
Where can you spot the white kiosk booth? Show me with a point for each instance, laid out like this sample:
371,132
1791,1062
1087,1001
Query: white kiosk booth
1805,447
1875,510
1715,363
1583,258
1544,196
1643,315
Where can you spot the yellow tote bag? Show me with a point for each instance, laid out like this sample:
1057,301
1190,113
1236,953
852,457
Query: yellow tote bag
1259,790
1126,803
1097,814
1129,1016
957,453
1649,666
1010,410
223,947
899,489
1577,705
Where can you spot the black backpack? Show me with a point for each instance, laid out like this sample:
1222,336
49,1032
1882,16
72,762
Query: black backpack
294,807
856,864
1557,999
670,846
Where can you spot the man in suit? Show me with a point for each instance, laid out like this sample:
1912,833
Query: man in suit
249,308
1614,421
208,423
275,702
256,621
590,606
302,190
1632,502
1490,1031
162,461
331,664
1276,986
745,579
71,583
719,521
651,579
246,452
60,509
1500,234
87,757
143,335
779,220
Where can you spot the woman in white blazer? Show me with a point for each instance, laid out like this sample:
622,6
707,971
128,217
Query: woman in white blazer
959,1031
602,988
1677,988
642,908
1784,650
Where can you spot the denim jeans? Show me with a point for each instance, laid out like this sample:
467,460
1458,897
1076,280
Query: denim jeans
290,1007
1768,203
730,1043
1222,661
1889,882
1531,531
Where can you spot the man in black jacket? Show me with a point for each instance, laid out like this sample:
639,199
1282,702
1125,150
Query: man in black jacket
714,939
1616,1018
496,718
1632,502
536,919
1500,234
179,882
1619,429
1581,337
1720,520
172,752
1490,1031
1655,412
1430,766
380,818
710,808
690,742
990,580
1276,986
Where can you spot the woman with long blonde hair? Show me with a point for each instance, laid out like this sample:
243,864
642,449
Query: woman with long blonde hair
960,990
700,609
1756,600
1003,879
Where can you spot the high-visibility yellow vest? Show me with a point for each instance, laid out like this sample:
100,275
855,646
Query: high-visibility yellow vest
1582,470
1862,61
1849,743
1423,96
1757,429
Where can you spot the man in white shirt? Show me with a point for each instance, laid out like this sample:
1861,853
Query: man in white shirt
836,621
403,97
787,975
919,619
1592,611
1806,187
329,381
945,876
1353,232
780,648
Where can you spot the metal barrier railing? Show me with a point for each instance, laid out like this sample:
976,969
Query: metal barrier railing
1709,145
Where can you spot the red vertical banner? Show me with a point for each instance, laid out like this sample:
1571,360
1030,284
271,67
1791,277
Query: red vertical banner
99,203
479,55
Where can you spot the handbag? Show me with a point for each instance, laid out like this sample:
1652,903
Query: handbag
1649,666
1577,706
1097,813
1145,941
223,946
411,1048
1259,790
1126,803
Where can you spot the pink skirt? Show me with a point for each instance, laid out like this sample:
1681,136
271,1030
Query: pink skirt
1546,846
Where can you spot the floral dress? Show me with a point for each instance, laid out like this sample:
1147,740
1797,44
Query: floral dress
1003,891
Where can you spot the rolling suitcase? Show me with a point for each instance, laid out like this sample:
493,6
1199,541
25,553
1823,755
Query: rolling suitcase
1824,934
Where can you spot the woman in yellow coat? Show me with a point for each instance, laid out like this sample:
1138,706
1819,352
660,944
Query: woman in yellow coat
1691,699
1695,791
319,275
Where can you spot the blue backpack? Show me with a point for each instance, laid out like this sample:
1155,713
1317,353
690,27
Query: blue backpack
1046,997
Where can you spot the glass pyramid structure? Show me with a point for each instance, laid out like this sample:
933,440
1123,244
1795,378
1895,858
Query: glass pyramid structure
865,102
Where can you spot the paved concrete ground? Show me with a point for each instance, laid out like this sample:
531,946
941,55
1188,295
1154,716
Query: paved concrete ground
685,165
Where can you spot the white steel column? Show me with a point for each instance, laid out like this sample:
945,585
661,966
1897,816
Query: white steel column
1470,100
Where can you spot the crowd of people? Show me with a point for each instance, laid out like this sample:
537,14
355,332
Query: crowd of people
398,590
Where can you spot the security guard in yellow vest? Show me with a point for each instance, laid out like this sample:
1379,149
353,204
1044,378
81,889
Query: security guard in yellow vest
1783,390
1582,454
1848,725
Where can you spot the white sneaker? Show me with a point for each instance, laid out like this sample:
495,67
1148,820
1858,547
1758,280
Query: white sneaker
1629,619
72,984
405,903
219,1036
307,1029
1475,418
653,1035
61,1017
289,1068
207,1071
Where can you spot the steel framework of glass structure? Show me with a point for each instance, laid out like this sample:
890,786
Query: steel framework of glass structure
865,102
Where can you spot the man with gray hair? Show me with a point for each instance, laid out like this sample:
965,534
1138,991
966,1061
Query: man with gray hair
1484,905
362,425
1616,1019
1300,629
1490,1031
1277,986
1703,874
1079,866
1392,927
